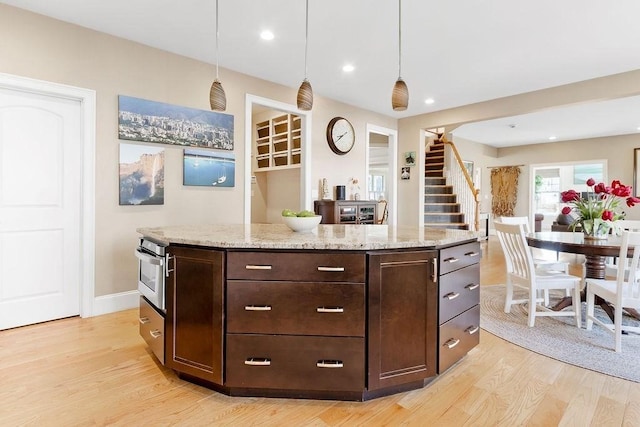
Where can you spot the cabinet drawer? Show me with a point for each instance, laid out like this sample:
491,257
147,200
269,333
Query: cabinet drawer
309,267
459,291
301,308
295,362
458,257
457,337
152,328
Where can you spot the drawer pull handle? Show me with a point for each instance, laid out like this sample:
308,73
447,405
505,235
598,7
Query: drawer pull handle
144,320
155,334
451,260
338,269
329,364
257,267
434,275
257,307
330,310
258,361
472,329
472,286
472,254
452,343
452,295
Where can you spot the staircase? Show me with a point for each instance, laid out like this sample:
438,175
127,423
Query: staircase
440,204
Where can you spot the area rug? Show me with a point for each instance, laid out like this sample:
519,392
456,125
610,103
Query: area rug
559,338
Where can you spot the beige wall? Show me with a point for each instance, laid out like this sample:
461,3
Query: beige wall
42,48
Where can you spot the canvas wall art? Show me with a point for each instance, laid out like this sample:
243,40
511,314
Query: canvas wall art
150,121
209,168
141,175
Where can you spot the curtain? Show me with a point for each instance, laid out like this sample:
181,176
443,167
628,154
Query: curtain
504,190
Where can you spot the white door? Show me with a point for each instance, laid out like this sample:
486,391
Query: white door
40,207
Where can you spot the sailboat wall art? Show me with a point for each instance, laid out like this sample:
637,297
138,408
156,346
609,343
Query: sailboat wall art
209,168
141,175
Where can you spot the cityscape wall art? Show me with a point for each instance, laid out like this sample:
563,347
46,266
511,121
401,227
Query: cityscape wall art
209,168
151,121
141,175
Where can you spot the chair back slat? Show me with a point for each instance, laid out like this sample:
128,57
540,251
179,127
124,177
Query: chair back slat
516,250
516,220
629,287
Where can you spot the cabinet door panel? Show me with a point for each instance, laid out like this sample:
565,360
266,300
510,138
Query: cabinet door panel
195,301
402,318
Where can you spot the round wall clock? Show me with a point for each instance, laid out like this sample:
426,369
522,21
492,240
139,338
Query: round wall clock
340,135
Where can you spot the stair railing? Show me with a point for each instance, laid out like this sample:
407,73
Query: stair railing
458,176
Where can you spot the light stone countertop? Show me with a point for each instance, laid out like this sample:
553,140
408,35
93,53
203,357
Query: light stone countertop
279,236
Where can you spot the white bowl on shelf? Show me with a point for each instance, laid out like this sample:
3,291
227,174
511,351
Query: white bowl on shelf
302,223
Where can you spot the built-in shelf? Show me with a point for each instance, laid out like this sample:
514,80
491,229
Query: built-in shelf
278,143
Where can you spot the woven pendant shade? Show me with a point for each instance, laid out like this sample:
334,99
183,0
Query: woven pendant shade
217,97
305,96
400,96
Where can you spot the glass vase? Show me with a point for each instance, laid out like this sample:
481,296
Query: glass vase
595,229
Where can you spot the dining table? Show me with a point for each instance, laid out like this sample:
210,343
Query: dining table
595,251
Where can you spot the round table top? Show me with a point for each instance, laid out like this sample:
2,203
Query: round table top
575,243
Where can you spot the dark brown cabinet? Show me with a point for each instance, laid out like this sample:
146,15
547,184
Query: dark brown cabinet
195,312
459,303
403,315
296,321
347,211
335,324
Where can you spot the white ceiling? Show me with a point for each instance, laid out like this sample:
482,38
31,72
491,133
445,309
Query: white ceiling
454,52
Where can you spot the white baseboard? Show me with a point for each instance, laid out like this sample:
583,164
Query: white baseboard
115,302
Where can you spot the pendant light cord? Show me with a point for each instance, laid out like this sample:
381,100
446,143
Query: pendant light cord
217,34
399,39
306,37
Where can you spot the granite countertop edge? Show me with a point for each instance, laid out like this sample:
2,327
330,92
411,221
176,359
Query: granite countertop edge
324,237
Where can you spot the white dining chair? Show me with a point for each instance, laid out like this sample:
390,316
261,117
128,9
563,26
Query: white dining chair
624,291
521,273
611,264
540,263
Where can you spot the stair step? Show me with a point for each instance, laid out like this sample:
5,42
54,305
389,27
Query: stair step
440,217
440,198
434,173
434,166
438,189
435,180
457,226
441,207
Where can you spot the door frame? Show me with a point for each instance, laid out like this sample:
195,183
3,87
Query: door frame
392,134
87,100
305,145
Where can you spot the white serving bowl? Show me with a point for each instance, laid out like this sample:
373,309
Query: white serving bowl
302,223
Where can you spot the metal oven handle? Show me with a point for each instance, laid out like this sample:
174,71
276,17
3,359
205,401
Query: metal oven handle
149,258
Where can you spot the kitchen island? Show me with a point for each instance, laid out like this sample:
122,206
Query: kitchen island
348,312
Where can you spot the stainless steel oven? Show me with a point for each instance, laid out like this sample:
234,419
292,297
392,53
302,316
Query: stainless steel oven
152,271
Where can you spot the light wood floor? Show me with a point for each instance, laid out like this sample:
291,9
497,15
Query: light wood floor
97,371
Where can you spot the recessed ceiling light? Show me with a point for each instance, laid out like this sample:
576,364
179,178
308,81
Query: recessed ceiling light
638,127
348,68
266,35
552,137
429,101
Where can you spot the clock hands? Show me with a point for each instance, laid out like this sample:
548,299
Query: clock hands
338,138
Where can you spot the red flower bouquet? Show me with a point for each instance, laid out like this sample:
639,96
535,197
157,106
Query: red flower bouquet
598,211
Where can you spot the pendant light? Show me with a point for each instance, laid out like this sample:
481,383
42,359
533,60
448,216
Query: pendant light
400,95
217,97
305,93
